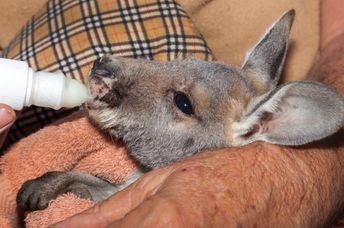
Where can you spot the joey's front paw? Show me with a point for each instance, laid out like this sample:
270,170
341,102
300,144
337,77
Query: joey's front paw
37,193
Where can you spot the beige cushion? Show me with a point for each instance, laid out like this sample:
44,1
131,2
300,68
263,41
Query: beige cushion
14,15
231,28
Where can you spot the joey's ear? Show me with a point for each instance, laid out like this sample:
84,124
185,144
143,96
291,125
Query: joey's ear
265,61
294,114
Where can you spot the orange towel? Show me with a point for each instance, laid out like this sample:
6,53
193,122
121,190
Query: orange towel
71,144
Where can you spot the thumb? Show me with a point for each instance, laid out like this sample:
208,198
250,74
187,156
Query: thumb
7,117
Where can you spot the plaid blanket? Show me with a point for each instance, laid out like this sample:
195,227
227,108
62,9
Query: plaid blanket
68,35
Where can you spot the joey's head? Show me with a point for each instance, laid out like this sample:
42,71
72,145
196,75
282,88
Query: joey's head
167,111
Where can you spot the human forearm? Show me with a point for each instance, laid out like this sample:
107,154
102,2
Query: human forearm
269,186
259,184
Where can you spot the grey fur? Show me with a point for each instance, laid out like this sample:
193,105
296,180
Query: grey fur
155,132
133,100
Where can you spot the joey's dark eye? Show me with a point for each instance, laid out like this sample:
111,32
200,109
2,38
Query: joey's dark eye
183,103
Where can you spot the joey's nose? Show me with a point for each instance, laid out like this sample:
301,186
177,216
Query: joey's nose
104,67
101,79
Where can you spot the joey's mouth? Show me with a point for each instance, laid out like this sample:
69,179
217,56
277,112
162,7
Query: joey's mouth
106,119
100,108
102,91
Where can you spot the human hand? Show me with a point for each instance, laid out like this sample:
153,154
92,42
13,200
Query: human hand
260,184
153,201
7,118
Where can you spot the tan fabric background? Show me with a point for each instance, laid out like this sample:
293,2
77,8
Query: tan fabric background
14,14
231,27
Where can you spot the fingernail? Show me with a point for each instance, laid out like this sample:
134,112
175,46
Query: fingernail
6,117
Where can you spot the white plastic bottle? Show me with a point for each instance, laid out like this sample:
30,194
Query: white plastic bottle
21,86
